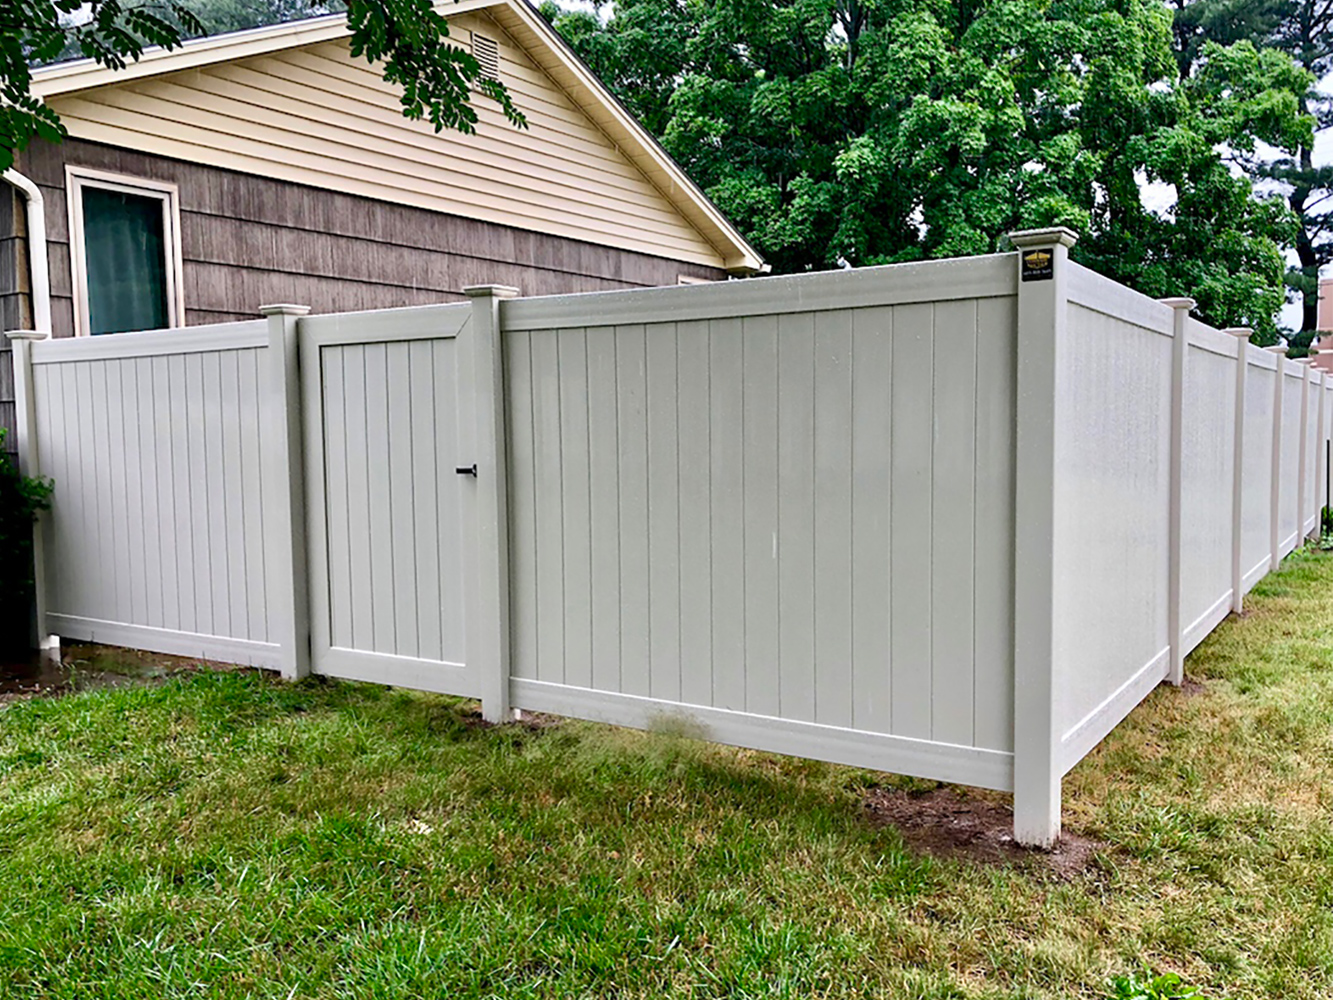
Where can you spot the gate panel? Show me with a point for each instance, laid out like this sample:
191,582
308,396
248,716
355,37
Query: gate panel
383,439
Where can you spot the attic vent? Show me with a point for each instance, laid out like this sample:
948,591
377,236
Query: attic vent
486,52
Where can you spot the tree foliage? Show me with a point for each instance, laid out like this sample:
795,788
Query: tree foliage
870,131
406,39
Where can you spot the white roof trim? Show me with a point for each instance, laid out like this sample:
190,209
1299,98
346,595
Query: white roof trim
84,74
81,74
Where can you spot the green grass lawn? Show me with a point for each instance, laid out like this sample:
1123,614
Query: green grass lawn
222,834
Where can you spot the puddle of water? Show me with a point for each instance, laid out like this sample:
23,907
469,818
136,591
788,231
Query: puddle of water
84,666
31,674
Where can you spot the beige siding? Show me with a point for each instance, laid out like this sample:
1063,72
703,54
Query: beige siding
317,116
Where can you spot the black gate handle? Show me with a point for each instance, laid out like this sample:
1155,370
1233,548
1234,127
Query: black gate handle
467,470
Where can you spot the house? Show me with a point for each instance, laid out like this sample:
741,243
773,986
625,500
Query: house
270,165
1323,343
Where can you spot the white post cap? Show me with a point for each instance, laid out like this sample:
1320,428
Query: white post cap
1062,235
1179,302
284,309
490,291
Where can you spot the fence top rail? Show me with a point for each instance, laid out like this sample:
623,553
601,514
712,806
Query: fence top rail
431,322
1257,357
1099,293
1204,337
149,343
993,276
1292,369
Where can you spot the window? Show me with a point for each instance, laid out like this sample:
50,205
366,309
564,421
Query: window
125,251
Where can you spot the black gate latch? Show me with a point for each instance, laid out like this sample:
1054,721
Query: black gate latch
467,470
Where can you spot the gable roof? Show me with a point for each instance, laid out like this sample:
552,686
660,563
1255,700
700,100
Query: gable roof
521,22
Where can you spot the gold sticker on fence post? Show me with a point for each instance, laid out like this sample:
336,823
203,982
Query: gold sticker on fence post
1038,265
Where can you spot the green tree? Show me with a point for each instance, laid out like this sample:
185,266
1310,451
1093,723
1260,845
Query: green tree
870,131
407,40
219,16
1303,31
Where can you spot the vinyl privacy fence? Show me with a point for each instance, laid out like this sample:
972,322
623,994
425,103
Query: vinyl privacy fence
951,519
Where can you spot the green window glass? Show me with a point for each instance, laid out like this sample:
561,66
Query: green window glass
125,249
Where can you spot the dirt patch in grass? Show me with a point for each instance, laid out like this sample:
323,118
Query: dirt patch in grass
531,722
945,823
1192,686
87,666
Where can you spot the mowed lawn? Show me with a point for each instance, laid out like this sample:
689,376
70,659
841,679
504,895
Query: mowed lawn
223,834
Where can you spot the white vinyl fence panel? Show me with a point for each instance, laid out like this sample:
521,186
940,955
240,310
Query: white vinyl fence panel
1207,478
782,513
778,507
160,513
1113,413
1257,511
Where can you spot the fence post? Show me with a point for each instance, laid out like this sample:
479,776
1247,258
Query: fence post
1320,452
1043,265
1275,492
1301,477
1242,335
25,444
1175,673
290,596
488,599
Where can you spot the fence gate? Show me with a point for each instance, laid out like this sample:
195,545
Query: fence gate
384,440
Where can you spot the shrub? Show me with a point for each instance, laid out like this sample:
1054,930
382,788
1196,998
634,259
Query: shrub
21,498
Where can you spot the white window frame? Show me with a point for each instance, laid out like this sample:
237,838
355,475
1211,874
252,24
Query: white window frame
79,178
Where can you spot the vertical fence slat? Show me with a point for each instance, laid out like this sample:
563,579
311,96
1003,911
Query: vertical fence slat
833,476
341,438
953,542
572,362
664,475
632,445
1242,335
726,514
910,452
696,494
402,500
796,515
604,507
993,512
1275,483
549,505
759,423
872,432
